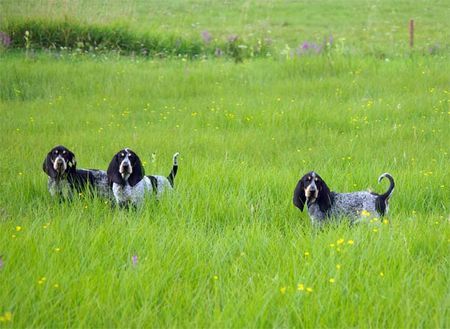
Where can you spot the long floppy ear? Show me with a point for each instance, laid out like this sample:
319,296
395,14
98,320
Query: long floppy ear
113,172
299,195
47,166
324,197
138,172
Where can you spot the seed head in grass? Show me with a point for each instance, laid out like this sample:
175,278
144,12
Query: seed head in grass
207,37
5,39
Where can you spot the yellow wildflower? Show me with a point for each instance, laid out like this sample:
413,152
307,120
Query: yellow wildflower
301,287
18,228
350,242
309,289
365,213
340,241
332,280
338,266
6,317
283,290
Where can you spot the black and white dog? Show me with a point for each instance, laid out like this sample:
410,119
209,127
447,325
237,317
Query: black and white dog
323,204
129,183
64,179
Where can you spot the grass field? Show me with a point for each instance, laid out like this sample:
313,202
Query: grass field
379,27
228,248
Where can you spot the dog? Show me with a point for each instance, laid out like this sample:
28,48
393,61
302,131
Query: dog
129,184
64,179
323,204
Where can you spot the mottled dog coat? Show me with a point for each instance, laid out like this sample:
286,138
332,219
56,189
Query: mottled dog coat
129,183
64,179
323,204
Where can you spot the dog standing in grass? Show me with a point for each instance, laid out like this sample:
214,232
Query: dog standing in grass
323,204
64,179
128,181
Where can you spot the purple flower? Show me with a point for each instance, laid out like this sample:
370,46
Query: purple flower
135,260
317,48
5,39
433,50
305,45
206,36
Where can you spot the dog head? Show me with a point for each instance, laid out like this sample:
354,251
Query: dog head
124,167
312,189
59,162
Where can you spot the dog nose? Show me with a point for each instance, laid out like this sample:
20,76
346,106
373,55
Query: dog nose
312,189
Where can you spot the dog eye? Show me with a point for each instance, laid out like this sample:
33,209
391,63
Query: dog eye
122,155
316,179
130,155
64,152
55,152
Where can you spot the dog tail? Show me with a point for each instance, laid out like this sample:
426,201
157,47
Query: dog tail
388,193
174,170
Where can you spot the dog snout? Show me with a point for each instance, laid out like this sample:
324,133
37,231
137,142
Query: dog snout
125,167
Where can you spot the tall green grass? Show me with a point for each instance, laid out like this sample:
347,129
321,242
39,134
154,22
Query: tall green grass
77,38
227,248
358,27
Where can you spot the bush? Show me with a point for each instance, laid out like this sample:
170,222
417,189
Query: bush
40,34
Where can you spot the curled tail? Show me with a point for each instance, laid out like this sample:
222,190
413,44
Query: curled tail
381,202
388,193
174,170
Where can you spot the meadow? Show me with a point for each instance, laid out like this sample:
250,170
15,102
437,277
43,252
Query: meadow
227,248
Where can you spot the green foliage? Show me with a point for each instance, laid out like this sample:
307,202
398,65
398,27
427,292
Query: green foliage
228,248
42,34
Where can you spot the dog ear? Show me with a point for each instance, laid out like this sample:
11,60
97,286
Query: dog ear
113,172
71,162
299,195
324,197
47,166
138,172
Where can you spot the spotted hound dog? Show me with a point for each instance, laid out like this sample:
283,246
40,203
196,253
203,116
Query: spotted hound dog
323,204
64,179
130,185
